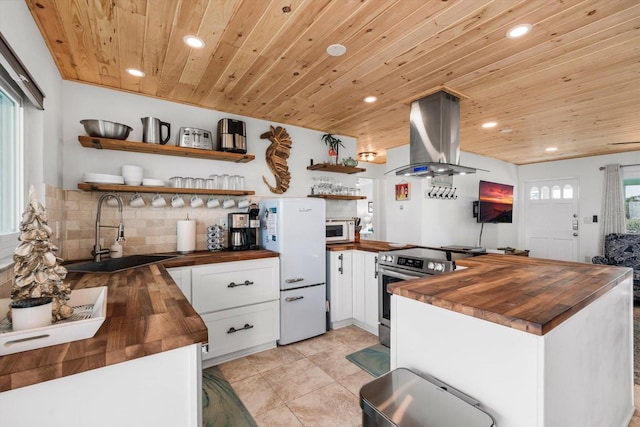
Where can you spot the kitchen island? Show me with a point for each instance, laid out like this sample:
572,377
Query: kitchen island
142,367
537,342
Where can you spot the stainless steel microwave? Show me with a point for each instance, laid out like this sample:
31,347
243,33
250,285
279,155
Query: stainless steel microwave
340,230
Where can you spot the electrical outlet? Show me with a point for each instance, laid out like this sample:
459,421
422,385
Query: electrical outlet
595,218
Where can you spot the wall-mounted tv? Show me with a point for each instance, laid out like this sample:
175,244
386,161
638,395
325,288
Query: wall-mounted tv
495,202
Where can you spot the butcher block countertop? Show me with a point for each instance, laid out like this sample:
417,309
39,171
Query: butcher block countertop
528,294
146,314
365,245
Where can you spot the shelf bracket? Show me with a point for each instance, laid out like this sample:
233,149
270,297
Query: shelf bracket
96,143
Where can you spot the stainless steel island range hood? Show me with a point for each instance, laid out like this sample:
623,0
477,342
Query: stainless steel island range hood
434,141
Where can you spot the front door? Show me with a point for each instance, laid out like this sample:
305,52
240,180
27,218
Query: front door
551,219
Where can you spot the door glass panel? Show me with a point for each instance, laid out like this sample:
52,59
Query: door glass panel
556,193
567,192
534,194
544,193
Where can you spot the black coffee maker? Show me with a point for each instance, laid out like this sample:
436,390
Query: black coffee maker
254,227
244,229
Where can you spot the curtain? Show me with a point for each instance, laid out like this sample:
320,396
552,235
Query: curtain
613,217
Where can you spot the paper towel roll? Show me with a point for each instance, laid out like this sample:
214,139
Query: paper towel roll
186,236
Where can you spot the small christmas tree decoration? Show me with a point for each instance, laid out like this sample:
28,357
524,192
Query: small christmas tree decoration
38,272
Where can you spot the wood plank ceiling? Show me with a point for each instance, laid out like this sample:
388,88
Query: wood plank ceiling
572,83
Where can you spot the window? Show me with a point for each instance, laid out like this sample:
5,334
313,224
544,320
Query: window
544,193
631,183
556,193
534,194
11,166
567,191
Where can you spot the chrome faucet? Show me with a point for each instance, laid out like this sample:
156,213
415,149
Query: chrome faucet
97,252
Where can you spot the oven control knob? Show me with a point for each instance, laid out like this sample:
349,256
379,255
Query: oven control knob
390,258
431,266
439,267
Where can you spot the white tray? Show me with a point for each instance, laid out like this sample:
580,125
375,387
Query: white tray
84,323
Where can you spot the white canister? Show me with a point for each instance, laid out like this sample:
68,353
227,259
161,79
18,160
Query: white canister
31,313
186,236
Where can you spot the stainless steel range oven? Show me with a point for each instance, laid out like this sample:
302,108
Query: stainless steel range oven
406,264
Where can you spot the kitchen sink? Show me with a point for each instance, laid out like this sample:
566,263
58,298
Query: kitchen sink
113,265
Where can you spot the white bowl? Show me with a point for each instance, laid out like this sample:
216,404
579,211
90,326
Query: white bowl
133,181
131,170
151,182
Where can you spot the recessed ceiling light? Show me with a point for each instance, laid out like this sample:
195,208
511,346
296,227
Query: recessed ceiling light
371,99
551,149
488,125
519,31
336,50
135,72
506,130
193,41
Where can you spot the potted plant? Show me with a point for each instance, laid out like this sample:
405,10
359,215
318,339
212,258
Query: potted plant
334,146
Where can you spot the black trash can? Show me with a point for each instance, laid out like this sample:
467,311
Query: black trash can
401,398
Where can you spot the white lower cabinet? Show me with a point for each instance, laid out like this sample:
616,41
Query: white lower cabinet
240,304
240,328
340,277
365,290
353,289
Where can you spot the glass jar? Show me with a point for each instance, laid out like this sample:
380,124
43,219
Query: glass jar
225,185
189,182
176,182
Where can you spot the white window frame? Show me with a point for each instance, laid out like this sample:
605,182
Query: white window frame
9,240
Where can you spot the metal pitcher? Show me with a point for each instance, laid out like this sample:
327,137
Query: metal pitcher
152,130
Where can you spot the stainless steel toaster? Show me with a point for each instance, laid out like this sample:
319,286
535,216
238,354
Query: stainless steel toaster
195,138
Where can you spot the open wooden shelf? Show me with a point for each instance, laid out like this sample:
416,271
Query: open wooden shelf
336,197
118,188
326,167
166,150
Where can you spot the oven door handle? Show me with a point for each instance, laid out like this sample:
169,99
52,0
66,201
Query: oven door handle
397,275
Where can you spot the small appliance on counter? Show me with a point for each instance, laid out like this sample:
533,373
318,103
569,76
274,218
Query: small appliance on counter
340,230
194,138
254,226
244,230
232,136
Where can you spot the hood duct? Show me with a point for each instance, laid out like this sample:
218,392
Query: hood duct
434,142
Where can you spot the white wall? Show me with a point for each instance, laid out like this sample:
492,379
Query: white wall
89,102
43,133
590,180
436,222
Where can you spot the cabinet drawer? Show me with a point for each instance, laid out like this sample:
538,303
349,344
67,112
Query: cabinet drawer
234,284
253,325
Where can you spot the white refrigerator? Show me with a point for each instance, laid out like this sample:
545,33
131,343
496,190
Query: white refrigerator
295,228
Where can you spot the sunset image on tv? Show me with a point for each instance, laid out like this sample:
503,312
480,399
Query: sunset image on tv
496,202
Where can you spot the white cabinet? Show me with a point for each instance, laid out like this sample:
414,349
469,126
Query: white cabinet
239,303
340,277
365,290
234,284
182,277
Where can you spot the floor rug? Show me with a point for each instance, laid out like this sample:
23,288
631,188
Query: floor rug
221,407
374,359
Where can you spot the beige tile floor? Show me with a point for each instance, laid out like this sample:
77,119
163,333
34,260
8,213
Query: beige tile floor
309,383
